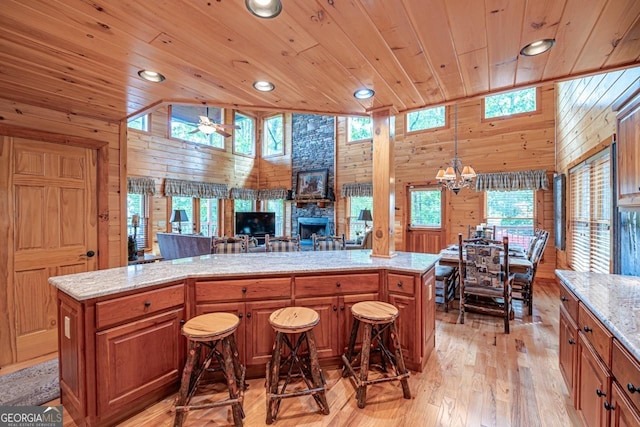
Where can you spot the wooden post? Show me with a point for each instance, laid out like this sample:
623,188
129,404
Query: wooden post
384,197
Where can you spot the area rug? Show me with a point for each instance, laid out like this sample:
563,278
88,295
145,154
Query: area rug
30,386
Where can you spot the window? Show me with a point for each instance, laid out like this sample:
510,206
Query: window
209,217
185,203
140,123
244,139
184,124
589,247
277,206
242,205
357,227
510,103
430,118
273,138
426,207
359,129
512,213
137,205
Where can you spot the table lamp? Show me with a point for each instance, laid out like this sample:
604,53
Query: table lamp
179,216
365,215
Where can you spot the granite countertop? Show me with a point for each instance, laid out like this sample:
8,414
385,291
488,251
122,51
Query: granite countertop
612,298
83,286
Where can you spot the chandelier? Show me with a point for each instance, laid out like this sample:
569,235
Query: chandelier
456,177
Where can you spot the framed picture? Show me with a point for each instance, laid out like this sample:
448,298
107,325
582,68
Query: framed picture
312,184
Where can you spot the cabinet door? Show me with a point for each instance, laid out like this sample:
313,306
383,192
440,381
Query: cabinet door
623,414
125,369
236,308
346,318
629,155
568,351
408,326
325,332
593,388
429,314
260,336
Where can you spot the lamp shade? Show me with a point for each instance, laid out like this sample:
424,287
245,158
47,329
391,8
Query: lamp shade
365,215
179,215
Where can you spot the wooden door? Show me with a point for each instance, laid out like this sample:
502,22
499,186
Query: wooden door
425,230
52,194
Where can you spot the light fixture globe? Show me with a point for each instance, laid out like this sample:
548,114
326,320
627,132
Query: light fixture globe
263,86
151,76
364,93
266,9
537,47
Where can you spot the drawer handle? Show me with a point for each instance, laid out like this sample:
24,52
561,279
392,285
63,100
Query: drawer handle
608,406
564,299
147,304
338,284
600,393
571,341
399,284
244,290
632,388
587,329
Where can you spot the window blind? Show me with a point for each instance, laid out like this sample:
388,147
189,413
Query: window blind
590,214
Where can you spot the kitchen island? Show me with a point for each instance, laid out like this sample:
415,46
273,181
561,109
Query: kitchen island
120,345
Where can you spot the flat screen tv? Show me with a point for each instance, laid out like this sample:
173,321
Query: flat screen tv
256,224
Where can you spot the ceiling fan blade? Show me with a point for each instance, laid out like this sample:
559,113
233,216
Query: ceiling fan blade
226,126
204,118
195,130
223,133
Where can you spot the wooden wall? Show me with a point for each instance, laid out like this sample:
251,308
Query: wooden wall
153,154
502,145
585,121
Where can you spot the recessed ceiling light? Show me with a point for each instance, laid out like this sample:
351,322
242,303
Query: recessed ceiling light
264,8
364,93
537,47
263,86
151,76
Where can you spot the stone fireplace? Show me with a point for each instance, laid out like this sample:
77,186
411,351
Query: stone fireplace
309,226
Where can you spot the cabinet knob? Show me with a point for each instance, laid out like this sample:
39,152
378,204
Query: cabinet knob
399,284
608,406
600,393
342,308
571,341
335,308
587,329
147,304
239,315
182,322
248,315
338,284
244,290
563,298
632,388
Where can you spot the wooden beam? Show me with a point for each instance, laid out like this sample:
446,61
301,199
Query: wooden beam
383,184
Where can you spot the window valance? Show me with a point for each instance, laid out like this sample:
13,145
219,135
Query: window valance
146,186
272,193
357,189
510,181
203,190
244,193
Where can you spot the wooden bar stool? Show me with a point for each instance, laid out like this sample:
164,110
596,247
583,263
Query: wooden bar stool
294,320
209,330
377,318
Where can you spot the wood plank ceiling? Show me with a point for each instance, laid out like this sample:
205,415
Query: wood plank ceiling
82,56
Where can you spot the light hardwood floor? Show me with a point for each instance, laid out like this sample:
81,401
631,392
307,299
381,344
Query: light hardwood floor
478,376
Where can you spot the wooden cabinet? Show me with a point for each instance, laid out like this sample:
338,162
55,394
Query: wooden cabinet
623,413
568,351
626,370
253,301
629,154
593,387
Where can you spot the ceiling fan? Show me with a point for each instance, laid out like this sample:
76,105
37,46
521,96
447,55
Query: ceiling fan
206,126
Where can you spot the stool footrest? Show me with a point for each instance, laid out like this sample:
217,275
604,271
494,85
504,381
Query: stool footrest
225,402
294,393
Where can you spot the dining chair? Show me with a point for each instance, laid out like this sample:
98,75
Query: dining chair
485,281
328,243
523,282
281,244
230,245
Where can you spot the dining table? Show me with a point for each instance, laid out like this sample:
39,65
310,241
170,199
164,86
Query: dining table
518,261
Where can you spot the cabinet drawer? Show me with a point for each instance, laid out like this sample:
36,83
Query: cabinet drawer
243,289
336,284
569,301
596,334
125,308
626,370
401,284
